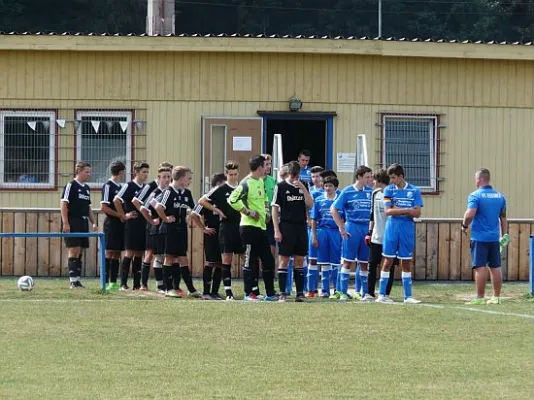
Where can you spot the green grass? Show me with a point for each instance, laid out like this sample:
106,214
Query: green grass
58,344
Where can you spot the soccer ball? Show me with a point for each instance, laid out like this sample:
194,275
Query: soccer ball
25,283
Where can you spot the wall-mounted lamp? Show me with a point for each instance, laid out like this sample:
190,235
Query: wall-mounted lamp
295,104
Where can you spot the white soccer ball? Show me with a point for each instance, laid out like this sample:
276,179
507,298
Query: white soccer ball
25,283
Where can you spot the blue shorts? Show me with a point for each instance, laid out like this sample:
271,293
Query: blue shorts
329,250
312,251
485,254
354,248
399,239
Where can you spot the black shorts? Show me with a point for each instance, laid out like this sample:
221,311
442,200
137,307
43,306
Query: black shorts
114,231
157,243
375,255
270,233
294,240
78,225
135,234
230,239
212,250
176,242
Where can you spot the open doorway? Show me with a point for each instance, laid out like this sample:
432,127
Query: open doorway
298,134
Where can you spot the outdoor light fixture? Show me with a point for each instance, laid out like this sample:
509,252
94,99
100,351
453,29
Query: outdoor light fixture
295,104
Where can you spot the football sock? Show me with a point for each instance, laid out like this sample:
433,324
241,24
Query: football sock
72,269
344,280
248,280
206,278
357,280
325,278
305,283
299,280
145,272
114,271
108,268
407,284
282,280
177,277
136,272
158,274
364,275
188,280
313,277
227,279
79,268
125,270
390,281
268,281
168,277
384,278
334,277
216,281
289,286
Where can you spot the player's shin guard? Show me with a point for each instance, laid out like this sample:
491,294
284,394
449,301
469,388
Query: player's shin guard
158,274
357,280
72,269
145,272
407,284
125,270
136,272
282,280
114,271
384,278
186,276
299,280
364,278
227,279
325,278
216,281
206,278
344,280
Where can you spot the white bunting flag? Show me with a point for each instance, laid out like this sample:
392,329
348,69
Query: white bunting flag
139,125
96,125
124,125
61,122
109,125
32,125
77,125
46,125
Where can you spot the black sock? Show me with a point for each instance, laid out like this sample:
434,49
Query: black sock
114,271
282,280
188,280
108,268
175,271
216,281
136,272
125,270
206,278
145,272
299,280
248,280
227,279
158,275
178,278
167,277
79,267
72,269
256,283
268,281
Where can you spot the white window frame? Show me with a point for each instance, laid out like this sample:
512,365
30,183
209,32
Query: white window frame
433,136
52,149
102,114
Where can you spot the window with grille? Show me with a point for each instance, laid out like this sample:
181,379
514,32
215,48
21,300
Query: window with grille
102,138
27,149
411,140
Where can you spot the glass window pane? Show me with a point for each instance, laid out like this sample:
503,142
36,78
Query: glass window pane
26,151
218,148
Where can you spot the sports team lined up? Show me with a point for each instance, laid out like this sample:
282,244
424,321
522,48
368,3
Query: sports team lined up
313,225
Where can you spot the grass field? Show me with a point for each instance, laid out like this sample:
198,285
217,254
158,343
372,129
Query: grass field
59,344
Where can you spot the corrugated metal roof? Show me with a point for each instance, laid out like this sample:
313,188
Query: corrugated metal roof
237,35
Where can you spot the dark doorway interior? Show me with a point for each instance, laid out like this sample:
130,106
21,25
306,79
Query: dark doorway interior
298,134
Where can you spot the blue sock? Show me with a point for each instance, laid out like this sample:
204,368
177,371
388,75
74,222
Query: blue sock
325,278
407,284
334,277
338,280
384,279
357,280
344,280
313,277
289,285
364,279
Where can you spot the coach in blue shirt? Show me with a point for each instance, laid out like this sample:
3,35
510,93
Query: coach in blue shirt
486,209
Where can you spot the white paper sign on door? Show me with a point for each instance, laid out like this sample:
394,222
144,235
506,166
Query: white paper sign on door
242,143
345,162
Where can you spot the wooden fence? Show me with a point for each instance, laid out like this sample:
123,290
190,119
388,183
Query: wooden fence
442,251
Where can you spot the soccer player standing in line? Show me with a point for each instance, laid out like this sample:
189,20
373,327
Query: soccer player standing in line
375,236
355,202
290,213
311,272
270,184
230,242
305,172
486,209
75,213
128,203
209,222
113,225
403,203
250,200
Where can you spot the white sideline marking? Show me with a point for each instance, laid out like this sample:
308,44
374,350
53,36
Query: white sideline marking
485,311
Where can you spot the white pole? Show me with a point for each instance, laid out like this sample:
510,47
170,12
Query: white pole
379,18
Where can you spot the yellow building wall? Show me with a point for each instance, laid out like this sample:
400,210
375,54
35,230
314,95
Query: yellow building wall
486,105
